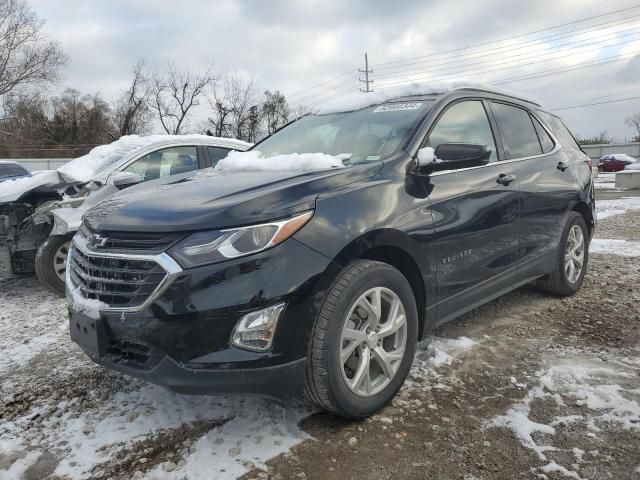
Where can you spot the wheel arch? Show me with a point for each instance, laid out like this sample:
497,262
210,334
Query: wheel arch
392,247
583,209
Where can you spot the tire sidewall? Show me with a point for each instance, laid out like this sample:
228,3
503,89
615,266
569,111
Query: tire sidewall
44,262
575,219
379,276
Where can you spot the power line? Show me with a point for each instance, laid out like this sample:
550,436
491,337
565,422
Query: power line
512,48
466,72
509,29
313,87
593,104
509,38
546,73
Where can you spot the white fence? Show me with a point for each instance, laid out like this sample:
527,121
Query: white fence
597,151
33,164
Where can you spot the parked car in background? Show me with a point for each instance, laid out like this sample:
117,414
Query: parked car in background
615,162
39,214
10,170
317,260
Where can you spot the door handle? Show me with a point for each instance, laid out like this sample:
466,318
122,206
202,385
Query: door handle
505,179
562,166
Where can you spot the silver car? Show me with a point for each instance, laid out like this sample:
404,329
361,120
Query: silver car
40,214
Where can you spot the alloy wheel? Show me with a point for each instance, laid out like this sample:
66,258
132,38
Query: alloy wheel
574,254
373,341
60,260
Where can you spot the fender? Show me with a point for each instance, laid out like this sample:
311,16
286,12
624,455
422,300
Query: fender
66,220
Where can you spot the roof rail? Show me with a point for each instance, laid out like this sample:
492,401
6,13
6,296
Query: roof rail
497,92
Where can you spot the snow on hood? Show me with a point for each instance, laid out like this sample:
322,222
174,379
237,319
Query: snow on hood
358,100
298,162
12,189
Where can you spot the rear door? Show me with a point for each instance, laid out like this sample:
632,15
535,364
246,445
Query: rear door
475,213
547,185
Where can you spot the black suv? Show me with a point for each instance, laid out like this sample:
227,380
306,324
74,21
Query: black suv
278,280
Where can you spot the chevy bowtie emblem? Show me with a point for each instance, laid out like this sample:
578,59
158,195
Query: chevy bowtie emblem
98,241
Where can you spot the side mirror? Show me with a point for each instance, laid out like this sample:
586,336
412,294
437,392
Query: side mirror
450,156
123,180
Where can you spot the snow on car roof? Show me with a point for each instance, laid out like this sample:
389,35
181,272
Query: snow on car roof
358,100
85,168
619,156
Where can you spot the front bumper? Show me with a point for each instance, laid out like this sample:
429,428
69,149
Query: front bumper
182,338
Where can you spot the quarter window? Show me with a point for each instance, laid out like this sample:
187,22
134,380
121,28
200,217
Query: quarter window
519,137
464,122
543,136
165,162
560,131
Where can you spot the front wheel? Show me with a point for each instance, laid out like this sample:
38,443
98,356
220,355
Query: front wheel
51,262
571,261
363,340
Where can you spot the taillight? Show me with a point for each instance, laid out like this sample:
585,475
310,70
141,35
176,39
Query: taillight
590,163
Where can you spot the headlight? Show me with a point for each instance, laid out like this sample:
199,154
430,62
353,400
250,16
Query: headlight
217,245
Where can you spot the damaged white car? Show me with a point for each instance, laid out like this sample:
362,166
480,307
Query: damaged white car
40,214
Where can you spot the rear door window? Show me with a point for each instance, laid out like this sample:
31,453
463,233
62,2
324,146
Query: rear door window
464,122
543,136
217,153
519,137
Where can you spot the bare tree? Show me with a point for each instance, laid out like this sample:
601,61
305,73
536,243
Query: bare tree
634,122
26,56
175,94
275,110
79,119
236,108
220,114
131,113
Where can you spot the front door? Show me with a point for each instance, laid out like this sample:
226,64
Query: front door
475,212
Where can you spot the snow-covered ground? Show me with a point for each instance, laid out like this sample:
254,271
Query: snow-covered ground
75,437
62,415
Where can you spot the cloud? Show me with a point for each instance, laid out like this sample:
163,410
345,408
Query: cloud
293,45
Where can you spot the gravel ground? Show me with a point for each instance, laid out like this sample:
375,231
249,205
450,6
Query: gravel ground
527,386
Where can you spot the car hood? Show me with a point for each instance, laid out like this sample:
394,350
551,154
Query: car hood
212,199
12,190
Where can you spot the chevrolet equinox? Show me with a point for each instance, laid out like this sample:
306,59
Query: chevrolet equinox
316,261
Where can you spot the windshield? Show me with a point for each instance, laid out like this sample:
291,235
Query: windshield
370,134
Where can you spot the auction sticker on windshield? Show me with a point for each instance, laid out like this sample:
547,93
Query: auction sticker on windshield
394,107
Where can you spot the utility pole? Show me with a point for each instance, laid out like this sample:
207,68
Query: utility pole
366,72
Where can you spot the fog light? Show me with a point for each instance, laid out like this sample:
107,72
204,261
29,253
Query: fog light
255,330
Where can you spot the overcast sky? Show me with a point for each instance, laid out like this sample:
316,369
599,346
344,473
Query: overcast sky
296,45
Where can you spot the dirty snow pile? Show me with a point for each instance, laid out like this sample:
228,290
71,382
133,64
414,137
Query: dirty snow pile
633,166
619,206
623,248
587,392
299,162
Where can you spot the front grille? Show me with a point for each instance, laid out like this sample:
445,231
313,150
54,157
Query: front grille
117,282
138,242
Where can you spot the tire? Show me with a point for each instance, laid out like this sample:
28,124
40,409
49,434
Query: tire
51,260
558,282
327,384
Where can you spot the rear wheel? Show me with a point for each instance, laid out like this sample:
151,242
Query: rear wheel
363,341
51,262
571,261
